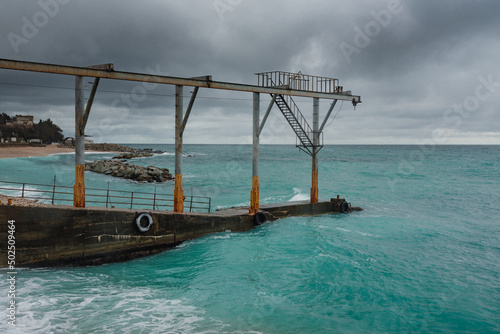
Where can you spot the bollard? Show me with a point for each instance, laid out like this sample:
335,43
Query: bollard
10,201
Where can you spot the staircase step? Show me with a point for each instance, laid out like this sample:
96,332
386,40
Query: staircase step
296,120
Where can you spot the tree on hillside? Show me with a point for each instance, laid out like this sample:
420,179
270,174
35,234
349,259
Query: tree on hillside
4,118
48,132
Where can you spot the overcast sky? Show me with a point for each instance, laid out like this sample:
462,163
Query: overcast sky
427,70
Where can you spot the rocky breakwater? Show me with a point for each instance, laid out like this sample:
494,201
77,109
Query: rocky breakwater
126,156
105,147
125,170
101,147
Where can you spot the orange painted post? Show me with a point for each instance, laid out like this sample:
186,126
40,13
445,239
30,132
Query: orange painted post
314,179
178,191
79,187
314,188
178,194
254,194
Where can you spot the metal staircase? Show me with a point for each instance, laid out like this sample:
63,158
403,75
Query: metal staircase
288,107
299,124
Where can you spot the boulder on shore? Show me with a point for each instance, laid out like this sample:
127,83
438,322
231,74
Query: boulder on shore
125,170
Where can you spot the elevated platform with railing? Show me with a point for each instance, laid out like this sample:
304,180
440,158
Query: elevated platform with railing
309,140
299,81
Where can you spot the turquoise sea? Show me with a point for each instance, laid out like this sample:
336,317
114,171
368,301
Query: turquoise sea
422,257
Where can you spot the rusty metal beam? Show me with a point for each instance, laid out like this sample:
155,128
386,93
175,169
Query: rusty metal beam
105,67
160,79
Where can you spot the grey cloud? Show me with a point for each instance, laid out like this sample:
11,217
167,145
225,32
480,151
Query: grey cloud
425,60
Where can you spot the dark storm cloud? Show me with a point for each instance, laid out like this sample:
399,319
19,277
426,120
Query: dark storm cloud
410,66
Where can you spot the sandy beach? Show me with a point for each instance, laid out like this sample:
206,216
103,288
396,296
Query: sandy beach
29,151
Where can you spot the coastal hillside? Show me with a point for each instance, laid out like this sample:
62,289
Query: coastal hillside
20,128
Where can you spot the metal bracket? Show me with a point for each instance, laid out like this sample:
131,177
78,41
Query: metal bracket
105,67
189,108
268,111
83,121
327,115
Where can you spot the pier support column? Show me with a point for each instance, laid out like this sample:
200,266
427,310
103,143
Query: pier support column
254,195
178,190
79,187
314,181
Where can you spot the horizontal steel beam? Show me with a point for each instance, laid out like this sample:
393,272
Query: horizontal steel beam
160,79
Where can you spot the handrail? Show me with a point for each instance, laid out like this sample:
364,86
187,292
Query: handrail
298,114
58,194
299,81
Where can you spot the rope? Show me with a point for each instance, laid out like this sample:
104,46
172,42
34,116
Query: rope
335,115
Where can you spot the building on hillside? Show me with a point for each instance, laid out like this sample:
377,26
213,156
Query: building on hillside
13,139
69,141
24,120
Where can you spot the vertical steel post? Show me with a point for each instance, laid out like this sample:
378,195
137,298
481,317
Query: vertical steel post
254,195
178,191
154,200
314,181
107,196
53,191
79,187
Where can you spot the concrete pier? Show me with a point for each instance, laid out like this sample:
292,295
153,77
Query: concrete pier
69,236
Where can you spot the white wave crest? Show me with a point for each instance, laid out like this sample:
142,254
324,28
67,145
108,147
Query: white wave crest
298,196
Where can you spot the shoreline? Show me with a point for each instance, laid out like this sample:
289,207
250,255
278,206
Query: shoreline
32,151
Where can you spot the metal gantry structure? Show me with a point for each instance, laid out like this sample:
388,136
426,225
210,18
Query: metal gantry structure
282,86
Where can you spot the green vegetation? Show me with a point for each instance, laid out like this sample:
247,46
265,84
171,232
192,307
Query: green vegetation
46,130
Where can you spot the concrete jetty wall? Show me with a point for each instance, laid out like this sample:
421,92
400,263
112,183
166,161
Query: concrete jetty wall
62,235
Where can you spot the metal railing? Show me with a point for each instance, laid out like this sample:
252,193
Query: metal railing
299,81
61,195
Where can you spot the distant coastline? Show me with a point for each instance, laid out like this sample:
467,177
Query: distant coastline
44,151
31,151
